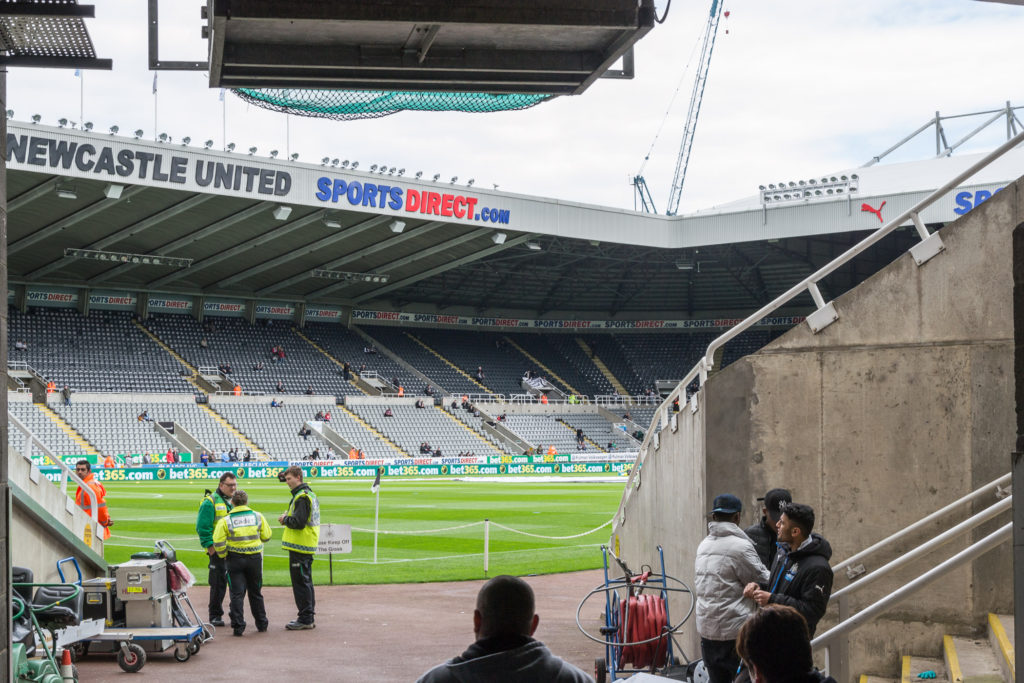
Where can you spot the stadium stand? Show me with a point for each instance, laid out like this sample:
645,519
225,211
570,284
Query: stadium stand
411,426
432,366
637,376
347,346
114,428
566,359
276,430
104,352
43,428
235,341
502,364
546,430
599,431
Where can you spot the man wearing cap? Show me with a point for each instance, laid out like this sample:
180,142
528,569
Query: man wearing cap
726,563
764,534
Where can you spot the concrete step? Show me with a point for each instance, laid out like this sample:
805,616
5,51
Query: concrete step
1000,637
970,660
869,678
913,665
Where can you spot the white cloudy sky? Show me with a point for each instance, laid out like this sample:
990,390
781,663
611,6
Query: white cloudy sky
796,88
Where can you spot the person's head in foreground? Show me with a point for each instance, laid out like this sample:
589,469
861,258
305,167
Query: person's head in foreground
775,644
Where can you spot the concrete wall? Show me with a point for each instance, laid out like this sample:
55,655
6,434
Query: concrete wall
903,405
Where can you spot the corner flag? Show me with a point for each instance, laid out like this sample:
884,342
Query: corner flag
376,482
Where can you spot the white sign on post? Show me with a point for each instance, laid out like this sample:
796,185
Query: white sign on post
335,538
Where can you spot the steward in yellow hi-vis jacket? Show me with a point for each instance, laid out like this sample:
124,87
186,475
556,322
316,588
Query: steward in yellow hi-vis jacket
240,537
301,533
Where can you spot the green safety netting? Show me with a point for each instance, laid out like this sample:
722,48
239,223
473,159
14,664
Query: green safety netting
343,105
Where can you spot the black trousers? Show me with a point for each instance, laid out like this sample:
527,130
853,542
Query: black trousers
218,586
301,566
720,658
246,575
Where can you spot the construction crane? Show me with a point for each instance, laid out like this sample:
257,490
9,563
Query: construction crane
641,191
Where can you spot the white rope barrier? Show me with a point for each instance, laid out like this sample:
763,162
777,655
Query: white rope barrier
553,538
418,531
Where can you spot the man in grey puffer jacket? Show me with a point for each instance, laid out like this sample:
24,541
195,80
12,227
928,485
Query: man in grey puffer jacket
726,562
504,651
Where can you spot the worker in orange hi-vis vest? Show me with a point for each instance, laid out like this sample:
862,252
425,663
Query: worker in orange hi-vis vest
51,387
544,399
401,391
84,471
238,390
109,461
552,450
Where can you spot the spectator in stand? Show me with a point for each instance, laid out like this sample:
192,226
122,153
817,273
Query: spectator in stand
274,403
233,455
362,454
627,416
437,453
503,624
144,416
224,457
204,459
480,373
420,404
319,417
327,416
203,344
776,645
501,418
248,455
304,432
369,349
675,405
455,404
257,366
424,448
388,413
170,456
331,455
273,354
429,391
309,390
764,534
346,371
280,353
20,345
315,455
580,439
280,387
65,394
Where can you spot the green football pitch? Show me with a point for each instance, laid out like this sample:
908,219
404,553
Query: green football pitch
555,516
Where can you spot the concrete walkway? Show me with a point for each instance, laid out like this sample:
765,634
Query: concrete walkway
367,633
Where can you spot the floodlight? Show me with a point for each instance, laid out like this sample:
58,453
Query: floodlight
62,122
208,144
533,246
397,226
419,174
469,183
273,154
331,221
355,165
334,162
454,179
231,147
87,125
401,172
252,151
282,212
36,118
761,187
499,238
66,192
163,137
138,134
854,177
114,129
185,140
437,176
10,114
325,161
391,171
113,191
294,156
373,168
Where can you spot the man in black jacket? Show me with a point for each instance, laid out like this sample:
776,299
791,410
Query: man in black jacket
801,575
764,534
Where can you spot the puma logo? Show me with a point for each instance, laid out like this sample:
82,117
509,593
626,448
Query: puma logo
877,212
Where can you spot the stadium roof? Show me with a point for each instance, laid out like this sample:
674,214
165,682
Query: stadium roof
258,228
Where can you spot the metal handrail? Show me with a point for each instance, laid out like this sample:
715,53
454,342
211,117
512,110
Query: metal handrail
809,283
966,555
67,474
945,537
980,492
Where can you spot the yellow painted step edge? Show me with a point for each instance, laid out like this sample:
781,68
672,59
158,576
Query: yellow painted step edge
905,670
1005,646
863,678
952,660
